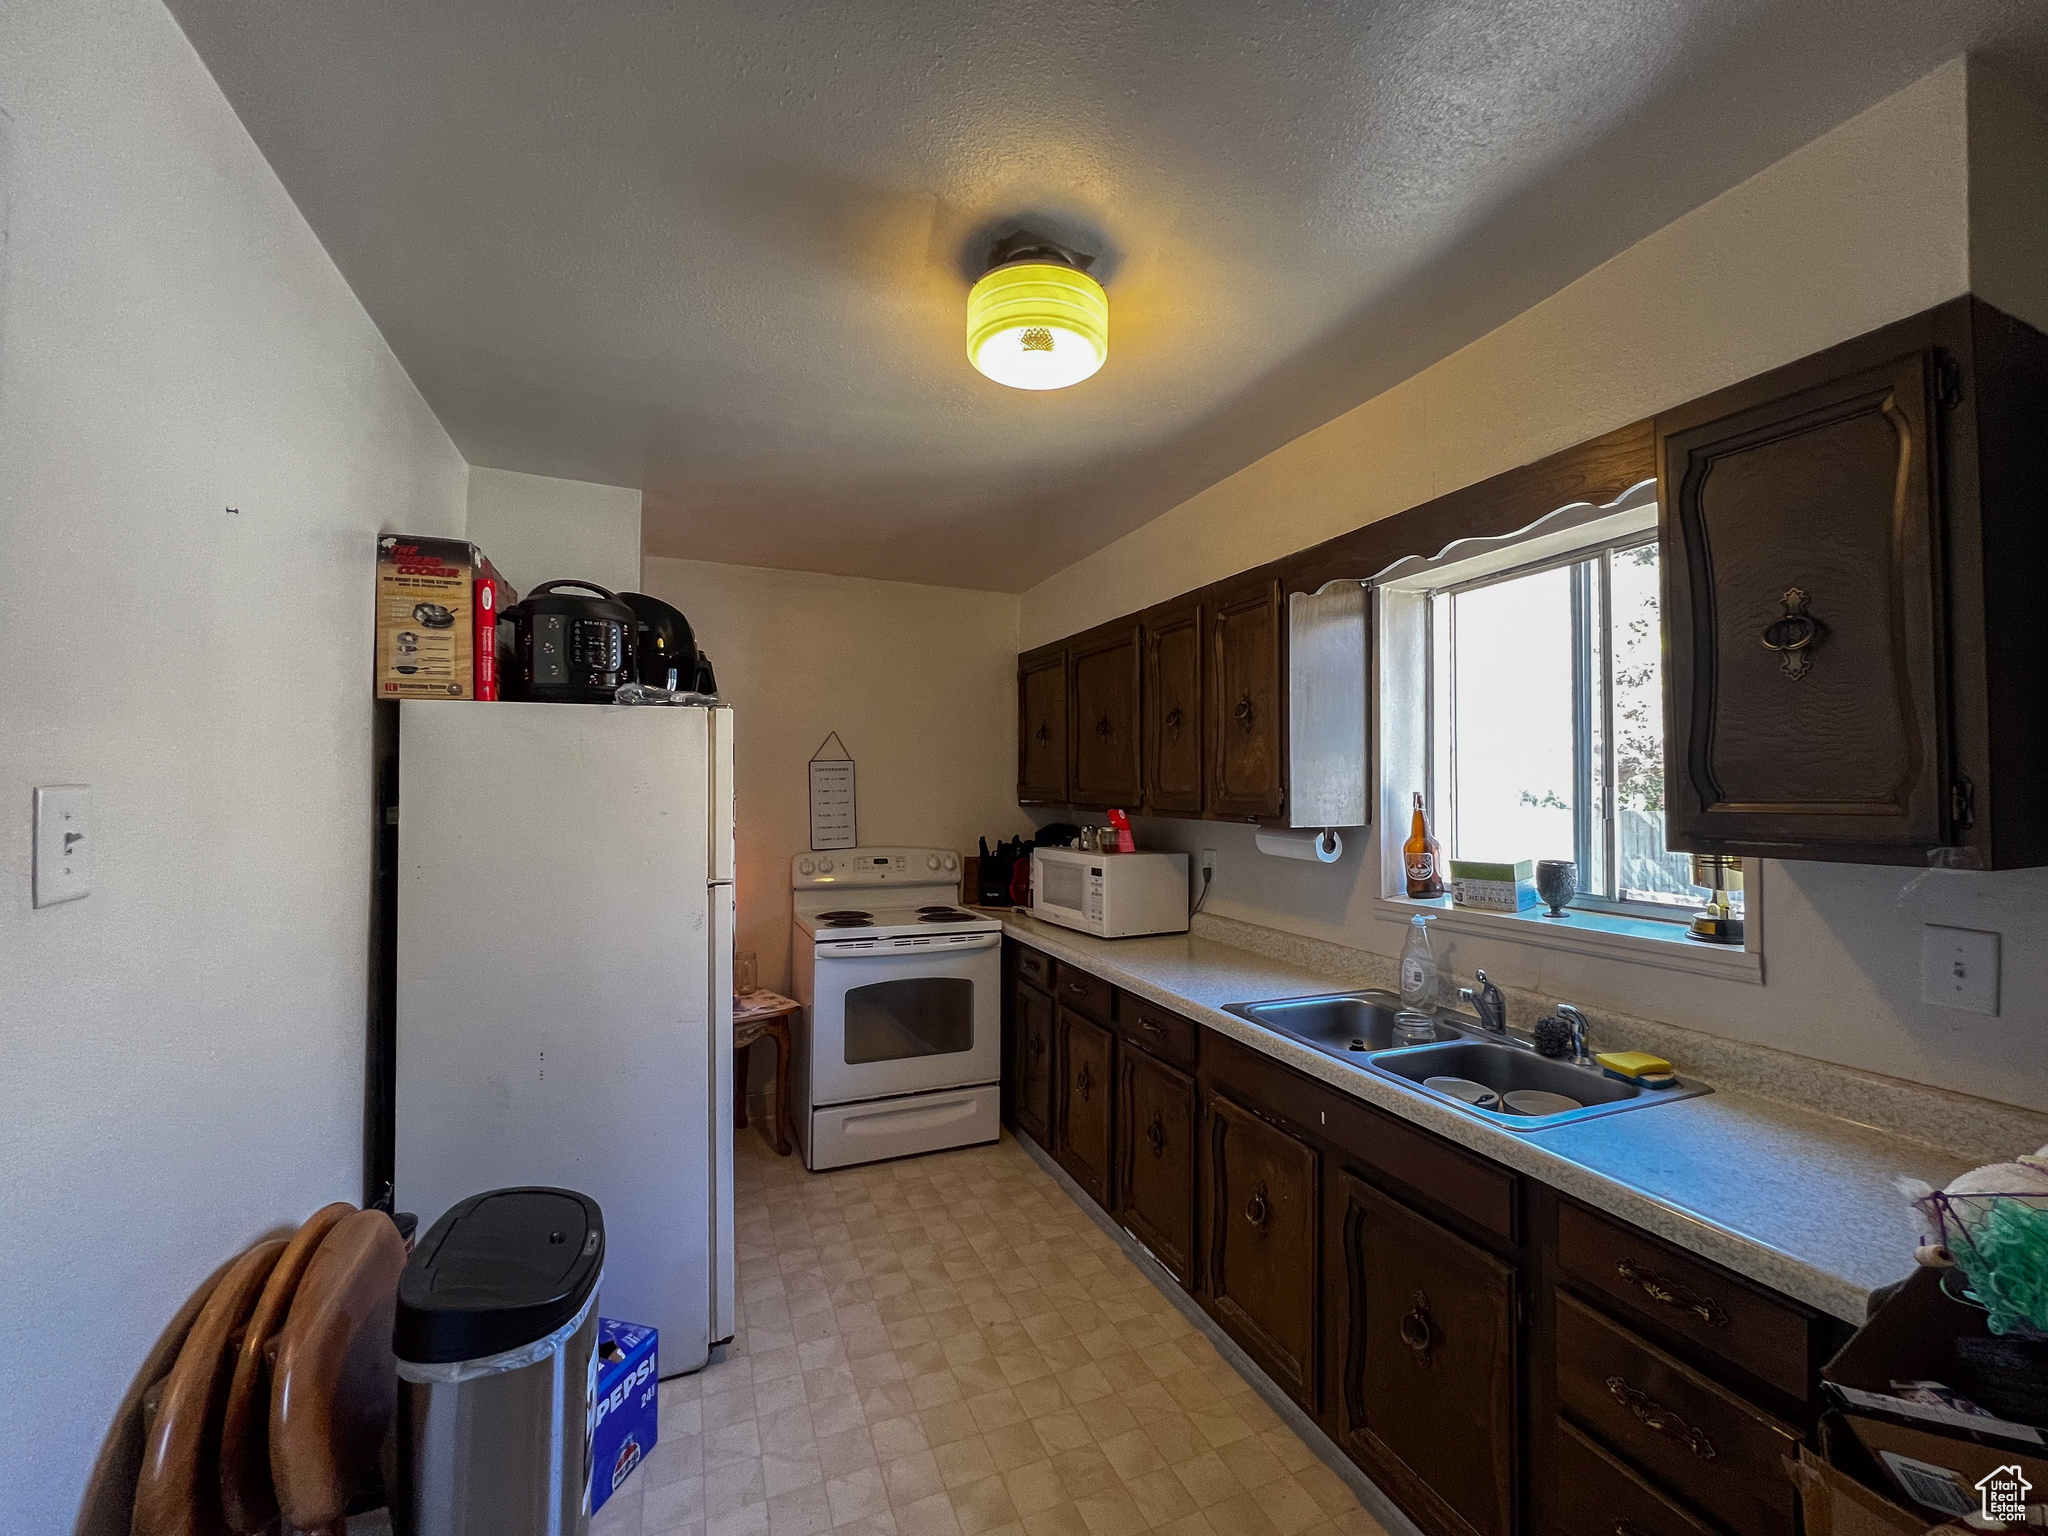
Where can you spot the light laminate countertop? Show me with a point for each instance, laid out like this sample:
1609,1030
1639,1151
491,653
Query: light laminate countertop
1798,1201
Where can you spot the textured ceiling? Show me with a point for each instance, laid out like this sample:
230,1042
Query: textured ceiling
721,252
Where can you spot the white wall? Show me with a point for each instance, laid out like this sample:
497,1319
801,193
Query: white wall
1898,209
536,528
1869,223
181,1053
918,681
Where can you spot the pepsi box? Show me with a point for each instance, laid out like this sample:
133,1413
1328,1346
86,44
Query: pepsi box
628,1405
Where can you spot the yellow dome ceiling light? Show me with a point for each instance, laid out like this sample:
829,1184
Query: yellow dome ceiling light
1037,320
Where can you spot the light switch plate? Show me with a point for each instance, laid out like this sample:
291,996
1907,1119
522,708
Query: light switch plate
1959,969
62,850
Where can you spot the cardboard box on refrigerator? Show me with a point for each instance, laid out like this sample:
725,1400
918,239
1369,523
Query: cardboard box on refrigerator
426,618
494,594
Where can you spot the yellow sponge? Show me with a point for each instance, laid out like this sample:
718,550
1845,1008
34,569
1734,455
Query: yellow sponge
1632,1063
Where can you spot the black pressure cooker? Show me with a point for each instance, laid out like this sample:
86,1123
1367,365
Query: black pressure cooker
569,648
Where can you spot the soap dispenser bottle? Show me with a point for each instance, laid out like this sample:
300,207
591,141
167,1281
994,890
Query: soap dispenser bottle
1419,978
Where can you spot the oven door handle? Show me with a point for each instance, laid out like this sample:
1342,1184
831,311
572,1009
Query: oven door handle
886,949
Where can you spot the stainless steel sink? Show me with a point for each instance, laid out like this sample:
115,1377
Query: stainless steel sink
1348,1026
1357,1027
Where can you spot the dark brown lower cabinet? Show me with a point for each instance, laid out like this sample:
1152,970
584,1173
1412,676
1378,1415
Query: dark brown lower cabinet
1155,1158
1692,1435
1499,1360
1428,1352
1082,1096
1596,1495
1032,1067
1264,1245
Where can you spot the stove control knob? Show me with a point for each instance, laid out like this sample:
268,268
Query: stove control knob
808,867
952,861
931,861
824,866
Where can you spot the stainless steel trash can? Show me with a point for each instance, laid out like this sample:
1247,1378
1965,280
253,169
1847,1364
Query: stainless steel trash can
496,1338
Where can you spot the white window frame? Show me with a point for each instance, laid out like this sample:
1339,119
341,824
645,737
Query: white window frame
1404,700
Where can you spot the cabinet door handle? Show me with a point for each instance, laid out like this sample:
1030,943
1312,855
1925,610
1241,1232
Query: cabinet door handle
1671,1293
1792,633
1149,1027
1085,1081
1037,1046
1103,727
1418,1329
1623,1526
1155,1133
1245,712
1653,1415
1256,1210
1175,719
1043,733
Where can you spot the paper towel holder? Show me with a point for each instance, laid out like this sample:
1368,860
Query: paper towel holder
1322,847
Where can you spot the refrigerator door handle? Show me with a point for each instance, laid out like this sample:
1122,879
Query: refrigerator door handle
723,1279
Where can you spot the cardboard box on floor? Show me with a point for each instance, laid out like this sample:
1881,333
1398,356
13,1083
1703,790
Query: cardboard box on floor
1934,1456
1832,1503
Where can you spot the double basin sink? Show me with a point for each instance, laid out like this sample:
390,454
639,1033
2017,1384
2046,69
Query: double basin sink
1358,1028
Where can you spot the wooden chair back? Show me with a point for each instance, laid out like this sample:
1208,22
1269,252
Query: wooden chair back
335,1381
178,1492
247,1500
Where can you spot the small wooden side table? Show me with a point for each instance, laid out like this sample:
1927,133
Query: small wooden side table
755,1016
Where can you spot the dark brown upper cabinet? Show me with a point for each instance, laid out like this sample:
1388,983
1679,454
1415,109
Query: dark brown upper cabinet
1855,660
1104,676
1173,712
1042,727
1247,741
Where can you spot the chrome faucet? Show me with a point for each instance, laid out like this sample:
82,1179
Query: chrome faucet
1487,1002
1576,1022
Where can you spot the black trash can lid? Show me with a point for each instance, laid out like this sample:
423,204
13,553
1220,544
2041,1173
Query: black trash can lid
498,1271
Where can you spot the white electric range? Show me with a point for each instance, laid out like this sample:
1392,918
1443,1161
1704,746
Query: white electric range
898,1049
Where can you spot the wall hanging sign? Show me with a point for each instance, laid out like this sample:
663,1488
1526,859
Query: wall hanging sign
832,809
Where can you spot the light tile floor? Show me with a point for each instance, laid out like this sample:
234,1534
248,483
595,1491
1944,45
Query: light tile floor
947,1344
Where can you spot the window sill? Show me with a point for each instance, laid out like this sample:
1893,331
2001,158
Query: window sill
1602,935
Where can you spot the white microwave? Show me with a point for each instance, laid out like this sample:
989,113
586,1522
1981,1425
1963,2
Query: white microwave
1111,895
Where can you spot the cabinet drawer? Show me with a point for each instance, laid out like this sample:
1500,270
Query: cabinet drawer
1698,1439
1592,1494
1034,968
1481,1191
1085,993
1162,1032
1767,1337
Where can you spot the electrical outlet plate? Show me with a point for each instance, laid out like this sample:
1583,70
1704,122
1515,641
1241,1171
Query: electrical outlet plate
1959,969
1208,863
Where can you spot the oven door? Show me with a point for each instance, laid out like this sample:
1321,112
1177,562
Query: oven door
892,1016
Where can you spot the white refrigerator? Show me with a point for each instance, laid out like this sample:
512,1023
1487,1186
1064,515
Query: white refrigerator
565,920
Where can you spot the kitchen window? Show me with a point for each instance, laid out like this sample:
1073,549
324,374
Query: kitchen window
1518,685
1546,736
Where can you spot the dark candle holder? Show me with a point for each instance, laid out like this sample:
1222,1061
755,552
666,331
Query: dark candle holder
1557,882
